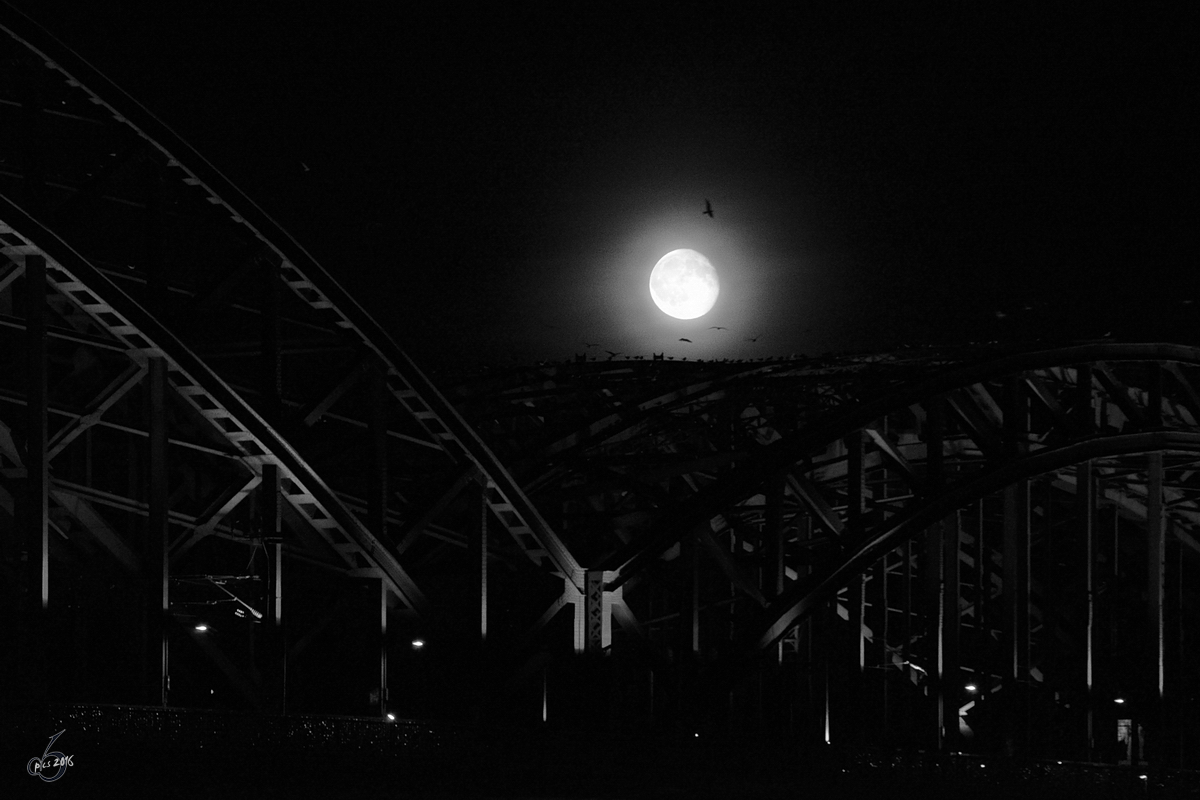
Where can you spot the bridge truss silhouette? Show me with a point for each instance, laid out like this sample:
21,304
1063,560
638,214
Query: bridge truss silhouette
222,484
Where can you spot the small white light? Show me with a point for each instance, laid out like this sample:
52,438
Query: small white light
972,688
202,627
1119,700
391,717
1143,777
417,644
696,735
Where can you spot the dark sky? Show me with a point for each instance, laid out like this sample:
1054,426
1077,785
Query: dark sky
495,186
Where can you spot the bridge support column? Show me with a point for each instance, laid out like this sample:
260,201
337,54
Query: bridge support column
381,705
274,660
157,569
34,516
1156,551
882,633
1016,617
949,678
856,658
1016,575
1085,497
593,612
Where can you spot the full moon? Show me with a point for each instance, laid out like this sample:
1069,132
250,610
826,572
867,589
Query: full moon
684,284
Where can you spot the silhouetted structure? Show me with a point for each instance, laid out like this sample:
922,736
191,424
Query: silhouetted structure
958,550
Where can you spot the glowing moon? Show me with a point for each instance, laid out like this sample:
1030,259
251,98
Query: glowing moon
684,284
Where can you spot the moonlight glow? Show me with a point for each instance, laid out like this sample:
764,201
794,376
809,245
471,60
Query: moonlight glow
684,284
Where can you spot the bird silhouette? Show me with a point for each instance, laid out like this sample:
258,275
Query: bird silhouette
708,208
611,354
686,340
754,338
591,344
717,328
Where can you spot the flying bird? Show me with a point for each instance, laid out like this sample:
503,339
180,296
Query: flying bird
755,338
591,344
708,208
611,354
686,340
717,328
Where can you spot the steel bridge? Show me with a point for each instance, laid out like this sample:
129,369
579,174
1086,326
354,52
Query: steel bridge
222,485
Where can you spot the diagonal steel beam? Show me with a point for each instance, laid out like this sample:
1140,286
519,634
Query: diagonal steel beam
313,286
417,524
803,597
217,510
891,454
720,555
99,528
107,398
14,272
227,412
982,430
312,413
812,497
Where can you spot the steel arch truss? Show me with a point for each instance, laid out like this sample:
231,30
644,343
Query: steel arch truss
290,417
970,514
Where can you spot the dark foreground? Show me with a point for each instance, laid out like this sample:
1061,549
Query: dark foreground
142,752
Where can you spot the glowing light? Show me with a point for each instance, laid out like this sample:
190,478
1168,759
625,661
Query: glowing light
1119,700
684,284
202,627
391,717
417,644
972,688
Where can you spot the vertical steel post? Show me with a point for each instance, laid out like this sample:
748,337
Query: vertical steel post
906,631
37,464
33,510
774,541
1016,569
1156,530
593,610
856,596
951,680
1085,495
885,673
1016,609
275,671
383,647
157,544
690,616
1175,664
377,505
935,560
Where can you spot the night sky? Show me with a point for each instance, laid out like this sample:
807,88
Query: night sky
495,186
